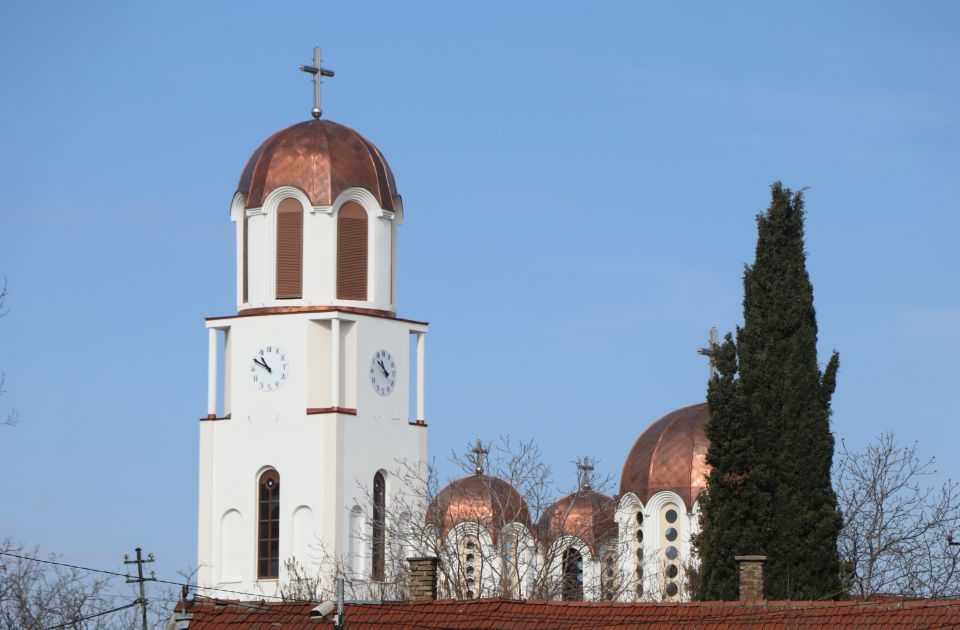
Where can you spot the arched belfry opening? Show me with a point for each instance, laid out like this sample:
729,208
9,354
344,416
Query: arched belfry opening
268,526
352,252
289,263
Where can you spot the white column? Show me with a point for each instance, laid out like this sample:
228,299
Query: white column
421,357
334,362
212,369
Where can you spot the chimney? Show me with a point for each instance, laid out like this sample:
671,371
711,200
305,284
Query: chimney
423,578
751,578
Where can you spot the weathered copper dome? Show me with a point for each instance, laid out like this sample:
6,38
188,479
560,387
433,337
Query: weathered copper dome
489,501
670,455
322,159
585,514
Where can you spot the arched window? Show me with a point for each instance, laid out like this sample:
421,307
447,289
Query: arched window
379,525
289,249
470,565
268,527
352,252
572,586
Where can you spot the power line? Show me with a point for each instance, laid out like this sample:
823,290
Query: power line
99,614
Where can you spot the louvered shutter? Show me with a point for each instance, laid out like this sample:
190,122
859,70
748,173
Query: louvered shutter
289,249
352,252
246,257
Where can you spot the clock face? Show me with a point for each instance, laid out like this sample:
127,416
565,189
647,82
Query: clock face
269,368
383,373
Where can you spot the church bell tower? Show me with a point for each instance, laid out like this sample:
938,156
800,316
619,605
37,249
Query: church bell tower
311,383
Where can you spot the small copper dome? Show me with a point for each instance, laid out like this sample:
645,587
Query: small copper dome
489,501
322,159
670,455
585,514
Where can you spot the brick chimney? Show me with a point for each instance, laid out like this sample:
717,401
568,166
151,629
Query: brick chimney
423,579
751,578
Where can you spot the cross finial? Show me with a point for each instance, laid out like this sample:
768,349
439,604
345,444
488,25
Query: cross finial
711,351
584,471
317,70
479,451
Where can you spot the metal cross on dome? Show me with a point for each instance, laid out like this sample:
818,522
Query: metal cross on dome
478,452
318,71
711,351
584,471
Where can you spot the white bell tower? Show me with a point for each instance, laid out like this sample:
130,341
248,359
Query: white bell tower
310,383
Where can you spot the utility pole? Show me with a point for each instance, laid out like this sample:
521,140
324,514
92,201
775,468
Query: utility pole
140,561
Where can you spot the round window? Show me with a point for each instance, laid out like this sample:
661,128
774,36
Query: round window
640,535
609,572
470,557
672,571
639,518
672,589
469,570
472,545
671,553
671,534
671,516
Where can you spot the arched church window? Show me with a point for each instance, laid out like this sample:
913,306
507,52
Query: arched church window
470,564
289,249
268,526
352,252
379,525
572,586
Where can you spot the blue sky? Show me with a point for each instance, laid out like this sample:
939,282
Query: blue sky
580,183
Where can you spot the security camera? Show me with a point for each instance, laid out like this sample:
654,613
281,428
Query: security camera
323,609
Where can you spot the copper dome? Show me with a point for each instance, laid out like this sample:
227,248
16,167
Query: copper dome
489,501
322,159
670,455
585,514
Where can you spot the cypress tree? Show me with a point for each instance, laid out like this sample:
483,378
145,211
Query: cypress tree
734,496
784,400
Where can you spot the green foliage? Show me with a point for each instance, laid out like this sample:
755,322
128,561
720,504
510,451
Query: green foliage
771,448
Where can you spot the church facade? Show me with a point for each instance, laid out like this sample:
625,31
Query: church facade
311,384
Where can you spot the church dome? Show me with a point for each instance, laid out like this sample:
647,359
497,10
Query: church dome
584,514
321,158
670,455
479,498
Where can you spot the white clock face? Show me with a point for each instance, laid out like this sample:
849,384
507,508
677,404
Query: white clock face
269,368
383,373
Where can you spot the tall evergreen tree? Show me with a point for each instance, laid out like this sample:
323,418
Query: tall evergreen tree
784,401
734,494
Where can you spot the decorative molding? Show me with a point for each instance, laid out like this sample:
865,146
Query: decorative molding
237,206
321,209
363,197
284,192
314,411
290,310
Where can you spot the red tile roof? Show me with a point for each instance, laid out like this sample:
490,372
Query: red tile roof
543,615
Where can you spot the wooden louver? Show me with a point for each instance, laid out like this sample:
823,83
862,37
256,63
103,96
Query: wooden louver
289,249
246,258
352,252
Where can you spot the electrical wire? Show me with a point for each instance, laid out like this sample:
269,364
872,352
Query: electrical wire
99,614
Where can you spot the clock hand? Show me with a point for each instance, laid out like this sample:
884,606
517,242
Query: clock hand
260,361
385,373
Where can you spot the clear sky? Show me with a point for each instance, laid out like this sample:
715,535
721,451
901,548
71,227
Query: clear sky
580,183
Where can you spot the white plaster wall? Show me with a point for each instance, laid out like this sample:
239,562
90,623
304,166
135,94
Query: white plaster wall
326,462
319,251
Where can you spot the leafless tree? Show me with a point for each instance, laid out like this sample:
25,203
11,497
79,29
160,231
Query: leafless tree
482,549
36,595
896,525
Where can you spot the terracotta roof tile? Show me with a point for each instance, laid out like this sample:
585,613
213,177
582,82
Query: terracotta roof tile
543,615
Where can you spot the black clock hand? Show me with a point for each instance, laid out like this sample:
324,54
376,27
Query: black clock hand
260,361
385,373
